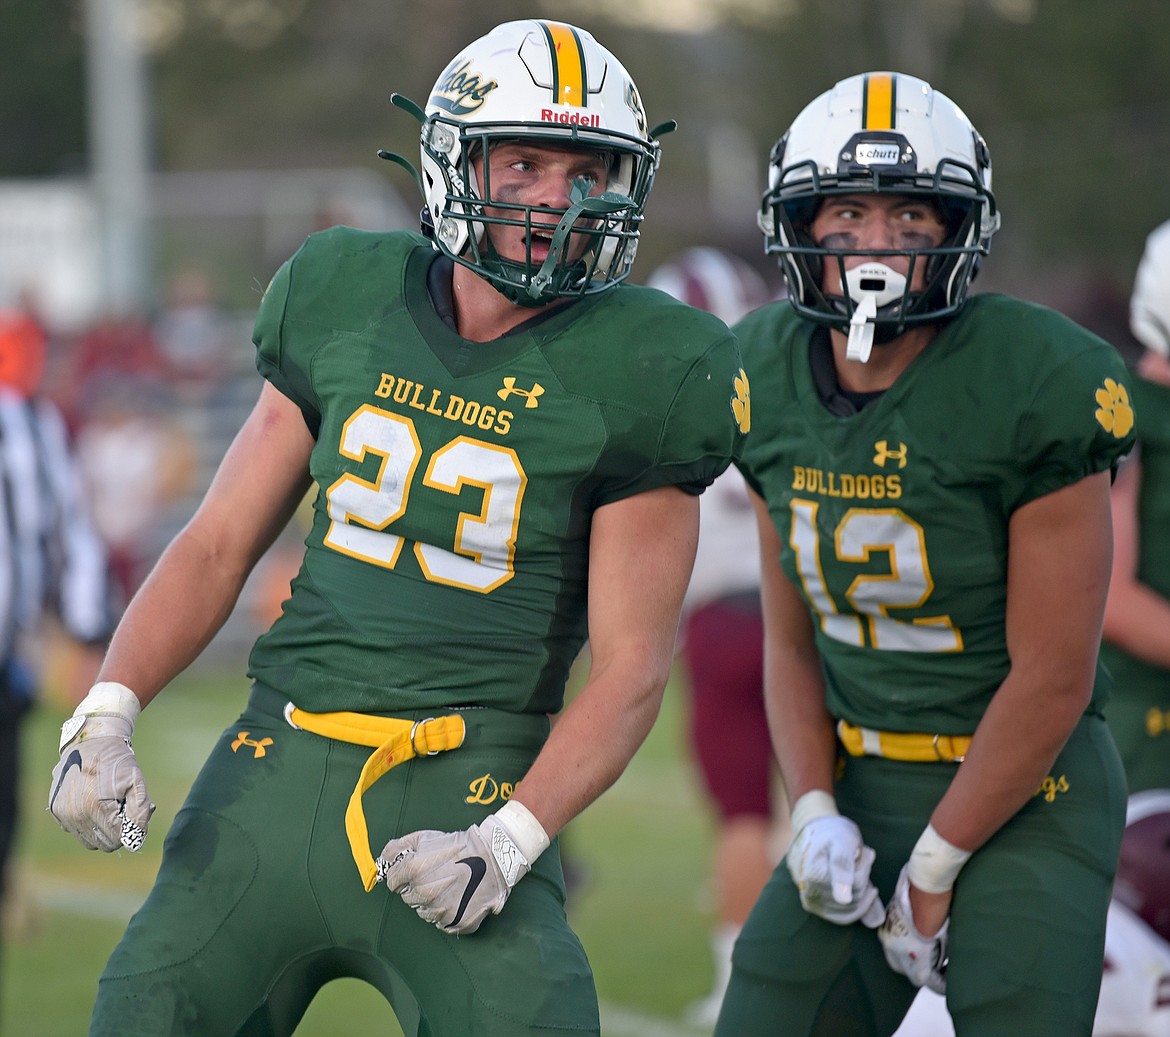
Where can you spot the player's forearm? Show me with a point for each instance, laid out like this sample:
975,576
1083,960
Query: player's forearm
1021,734
803,734
591,743
178,610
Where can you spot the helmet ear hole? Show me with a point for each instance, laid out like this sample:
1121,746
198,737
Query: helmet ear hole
814,265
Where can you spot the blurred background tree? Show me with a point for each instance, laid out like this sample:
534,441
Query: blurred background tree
1073,97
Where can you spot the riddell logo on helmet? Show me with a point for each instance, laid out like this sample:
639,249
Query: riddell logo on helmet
570,118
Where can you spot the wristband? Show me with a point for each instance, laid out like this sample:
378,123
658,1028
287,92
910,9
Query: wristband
935,863
814,804
527,833
107,699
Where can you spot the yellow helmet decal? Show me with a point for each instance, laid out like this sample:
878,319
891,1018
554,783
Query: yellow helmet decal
570,85
877,102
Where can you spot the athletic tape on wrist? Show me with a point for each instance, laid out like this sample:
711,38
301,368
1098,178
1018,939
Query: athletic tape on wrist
527,833
810,806
935,863
112,699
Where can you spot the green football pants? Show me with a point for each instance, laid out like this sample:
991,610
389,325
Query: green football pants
1027,927
258,902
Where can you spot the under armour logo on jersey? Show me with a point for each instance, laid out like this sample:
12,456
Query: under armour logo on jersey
741,402
530,395
882,453
260,748
1114,413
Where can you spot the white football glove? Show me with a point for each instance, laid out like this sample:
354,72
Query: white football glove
830,864
456,879
921,959
98,791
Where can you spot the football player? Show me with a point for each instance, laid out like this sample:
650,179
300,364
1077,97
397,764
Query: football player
933,496
507,445
1137,616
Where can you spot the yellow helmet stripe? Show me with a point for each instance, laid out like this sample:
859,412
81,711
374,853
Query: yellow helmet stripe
570,85
877,103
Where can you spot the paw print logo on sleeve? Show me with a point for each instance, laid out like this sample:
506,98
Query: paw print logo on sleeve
741,402
1114,412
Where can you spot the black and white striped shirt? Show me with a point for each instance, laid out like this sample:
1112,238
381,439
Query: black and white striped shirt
51,557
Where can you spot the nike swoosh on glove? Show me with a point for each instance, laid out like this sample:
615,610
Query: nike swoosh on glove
921,959
456,879
830,865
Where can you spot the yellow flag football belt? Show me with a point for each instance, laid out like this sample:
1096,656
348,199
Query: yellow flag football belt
394,741
899,745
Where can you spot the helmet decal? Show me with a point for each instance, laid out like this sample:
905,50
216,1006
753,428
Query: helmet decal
459,91
878,102
570,76
634,103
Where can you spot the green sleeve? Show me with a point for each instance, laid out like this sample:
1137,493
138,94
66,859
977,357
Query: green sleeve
1081,420
276,354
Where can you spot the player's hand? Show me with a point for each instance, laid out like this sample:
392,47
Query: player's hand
830,865
921,959
98,791
454,880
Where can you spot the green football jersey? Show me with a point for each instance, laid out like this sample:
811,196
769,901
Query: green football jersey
455,480
894,519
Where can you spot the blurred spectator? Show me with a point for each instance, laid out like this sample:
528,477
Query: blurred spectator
723,651
22,351
138,464
196,337
51,560
114,348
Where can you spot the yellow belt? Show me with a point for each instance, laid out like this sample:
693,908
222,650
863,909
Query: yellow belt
394,741
898,745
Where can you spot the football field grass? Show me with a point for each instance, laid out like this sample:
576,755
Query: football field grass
641,908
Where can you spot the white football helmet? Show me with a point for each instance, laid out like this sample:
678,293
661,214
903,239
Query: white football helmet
1149,308
890,133
551,83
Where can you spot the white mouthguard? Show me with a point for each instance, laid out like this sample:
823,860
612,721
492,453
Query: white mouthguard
870,285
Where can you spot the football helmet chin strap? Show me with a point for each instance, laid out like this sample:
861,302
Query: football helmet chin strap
579,203
871,285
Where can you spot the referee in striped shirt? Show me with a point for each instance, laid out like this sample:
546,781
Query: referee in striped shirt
52,561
